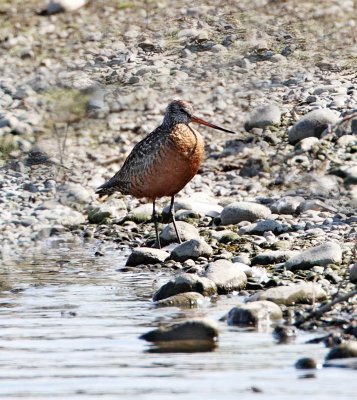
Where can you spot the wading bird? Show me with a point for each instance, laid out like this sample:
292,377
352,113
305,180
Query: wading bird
164,161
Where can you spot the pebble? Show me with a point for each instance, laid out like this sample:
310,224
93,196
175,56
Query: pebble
242,258
254,313
316,205
326,253
284,334
226,275
305,292
286,205
186,232
243,211
142,213
263,116
193,248
56,6
147,255
187,300
343,350
62,215
225,236
111,209
307,144
261,227
353,273
186,283
351,175
306,363
312,124
71,194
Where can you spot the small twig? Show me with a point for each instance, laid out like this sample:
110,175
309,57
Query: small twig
65,139
326,307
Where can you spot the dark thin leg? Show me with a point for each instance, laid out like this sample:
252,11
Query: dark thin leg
172,213
154,217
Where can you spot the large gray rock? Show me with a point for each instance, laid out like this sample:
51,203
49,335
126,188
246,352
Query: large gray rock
288,295
251,314
186,283
286,205
73,193
263,116
226,276
312,124
188,300
327,253
243,211
264,226
196,329
193,249
273,257
186,231
147,255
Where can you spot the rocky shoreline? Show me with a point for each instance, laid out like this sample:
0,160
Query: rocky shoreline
271,214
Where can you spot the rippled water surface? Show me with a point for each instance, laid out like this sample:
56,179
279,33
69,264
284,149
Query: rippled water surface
70,323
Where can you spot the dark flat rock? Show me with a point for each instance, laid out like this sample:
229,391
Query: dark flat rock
186,283
197,329
147,255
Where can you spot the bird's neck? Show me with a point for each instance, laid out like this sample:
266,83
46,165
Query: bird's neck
169,123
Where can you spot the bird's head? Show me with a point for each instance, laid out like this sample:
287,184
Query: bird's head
181,112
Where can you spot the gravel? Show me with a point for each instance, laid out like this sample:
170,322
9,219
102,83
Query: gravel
107,89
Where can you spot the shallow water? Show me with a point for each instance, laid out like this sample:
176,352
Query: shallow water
70,324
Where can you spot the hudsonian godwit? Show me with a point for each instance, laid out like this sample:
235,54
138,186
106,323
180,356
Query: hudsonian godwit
164,161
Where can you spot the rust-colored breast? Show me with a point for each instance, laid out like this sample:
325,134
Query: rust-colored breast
173,164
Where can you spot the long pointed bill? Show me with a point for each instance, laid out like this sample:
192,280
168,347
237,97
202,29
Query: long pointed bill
203,122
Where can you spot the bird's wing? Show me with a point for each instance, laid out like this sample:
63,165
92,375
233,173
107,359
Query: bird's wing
140,158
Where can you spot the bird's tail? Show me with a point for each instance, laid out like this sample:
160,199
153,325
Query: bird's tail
104,191
110,187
